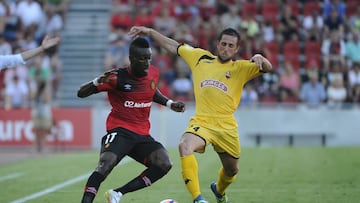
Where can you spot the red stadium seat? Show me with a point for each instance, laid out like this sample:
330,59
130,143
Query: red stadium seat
273,49
351,7
291,52
312,52
249,8
311,6
270,11
294,5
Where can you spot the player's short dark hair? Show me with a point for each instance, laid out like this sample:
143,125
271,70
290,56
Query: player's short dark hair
139,42
231,32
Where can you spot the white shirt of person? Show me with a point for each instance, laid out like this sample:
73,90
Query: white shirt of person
10,61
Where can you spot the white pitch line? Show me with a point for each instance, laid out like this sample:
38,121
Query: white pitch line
59,186
10,176
52,189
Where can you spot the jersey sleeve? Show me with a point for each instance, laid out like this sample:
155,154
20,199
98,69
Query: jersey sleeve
10,61
249,69
191,55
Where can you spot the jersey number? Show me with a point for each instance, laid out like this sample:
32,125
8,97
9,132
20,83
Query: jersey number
110,137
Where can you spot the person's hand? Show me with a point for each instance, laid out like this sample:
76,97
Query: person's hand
258,60
108,76
139,31
49,42
178,106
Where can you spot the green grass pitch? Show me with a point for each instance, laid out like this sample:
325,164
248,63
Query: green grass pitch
266,175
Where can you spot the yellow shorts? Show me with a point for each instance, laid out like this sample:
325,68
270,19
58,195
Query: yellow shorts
222,140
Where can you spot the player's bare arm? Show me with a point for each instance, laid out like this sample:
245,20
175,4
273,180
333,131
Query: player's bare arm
46,44
161,99
165,42
262,62
90,87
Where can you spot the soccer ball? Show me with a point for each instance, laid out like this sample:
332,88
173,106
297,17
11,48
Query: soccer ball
168,201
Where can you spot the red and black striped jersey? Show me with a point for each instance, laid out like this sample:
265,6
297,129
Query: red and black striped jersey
130,98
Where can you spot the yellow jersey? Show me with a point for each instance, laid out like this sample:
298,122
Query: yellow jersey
217,86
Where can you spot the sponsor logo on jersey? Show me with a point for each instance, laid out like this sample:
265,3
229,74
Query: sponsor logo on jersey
214,83
132,104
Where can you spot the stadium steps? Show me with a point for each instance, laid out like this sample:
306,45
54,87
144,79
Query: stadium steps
84,40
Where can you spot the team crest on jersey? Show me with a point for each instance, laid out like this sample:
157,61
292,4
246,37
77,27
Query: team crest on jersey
152,85
127,86
227,75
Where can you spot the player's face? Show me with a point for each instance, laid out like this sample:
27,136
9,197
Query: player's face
227,47
140,61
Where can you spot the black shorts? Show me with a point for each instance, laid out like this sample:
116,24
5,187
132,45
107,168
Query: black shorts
123,142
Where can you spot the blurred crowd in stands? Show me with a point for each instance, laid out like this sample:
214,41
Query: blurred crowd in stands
313,45
23,25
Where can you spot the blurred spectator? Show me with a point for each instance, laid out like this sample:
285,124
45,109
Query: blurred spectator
27,42
121,19
354,82
337,5
30,13
313,26
206,9
268,31
41,97
56,66
231,18
164,4
116,54
334,23
5,47
13,25
53,23
353,48
164,63
250,24
187,14
60,7
289,83
16,94
313,92
182,87
165,23
333,49
288,25
354,21
335,71
144,17
249,96
336,93
4,12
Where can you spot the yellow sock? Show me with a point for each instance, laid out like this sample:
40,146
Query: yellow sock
189,168
223,182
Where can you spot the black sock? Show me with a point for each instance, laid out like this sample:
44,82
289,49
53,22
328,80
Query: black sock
145,179
92,187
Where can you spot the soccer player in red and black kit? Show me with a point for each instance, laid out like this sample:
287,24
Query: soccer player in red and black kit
131,91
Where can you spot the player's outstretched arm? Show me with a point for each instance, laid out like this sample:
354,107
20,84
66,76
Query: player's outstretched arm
165,42
46,44
163,100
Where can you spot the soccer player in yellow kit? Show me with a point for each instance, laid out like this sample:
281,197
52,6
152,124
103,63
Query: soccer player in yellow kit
218,82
